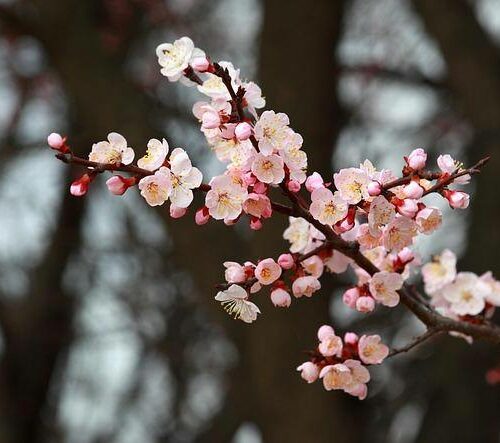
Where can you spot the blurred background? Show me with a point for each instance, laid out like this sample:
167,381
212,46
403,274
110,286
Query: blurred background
109,330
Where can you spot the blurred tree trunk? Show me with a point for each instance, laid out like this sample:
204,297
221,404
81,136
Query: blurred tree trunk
473,76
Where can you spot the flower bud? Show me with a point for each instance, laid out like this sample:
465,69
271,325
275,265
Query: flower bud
417,158
365,304
293,186
314,181
324,332
260,188
55,140
286,261
350,338
210,120
202,216
255,223
200,64
243,131
309,371
117,184
374,188
406,255
80,187
408,208
350,296
176,212
457,199
413,190
281,298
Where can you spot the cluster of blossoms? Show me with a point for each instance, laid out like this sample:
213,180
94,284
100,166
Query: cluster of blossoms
459,295
339,363
360,218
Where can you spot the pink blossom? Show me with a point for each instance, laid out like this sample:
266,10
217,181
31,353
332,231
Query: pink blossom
399,233
313,266
457,199
243,131
156,189
314,181
117,184
268,168
381,213
281,298
286,261
406,255
384,286
327,207
330,346
447,164
337,262
417,158
309,371
324,332
428,220
352,184
371,350
350,297
365,304
413,190
267,271
336,376
258,205
374,189
307,286
271,131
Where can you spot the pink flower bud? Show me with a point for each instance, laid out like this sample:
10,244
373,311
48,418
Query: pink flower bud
417,158
55,140
365,304
81,186
350,296
281,298
210,120
243,131
200,64
249,179
314,181
260,188
293,186
374,188
408,208
413,190
309,371
325,332
202,216
255,223
117,184
286,261
457,199
406,255
350,338
176,212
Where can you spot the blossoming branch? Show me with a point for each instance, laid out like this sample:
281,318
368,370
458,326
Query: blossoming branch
360,218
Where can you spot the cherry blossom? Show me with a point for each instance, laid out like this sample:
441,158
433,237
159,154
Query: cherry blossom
174,57
113,151
439,272
327,207
384,286
267,271
281,298
157,188
235,302
307,286
272,131
428,220
155,155
268,168
352,184
371,350
225,198
308,371
466,294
